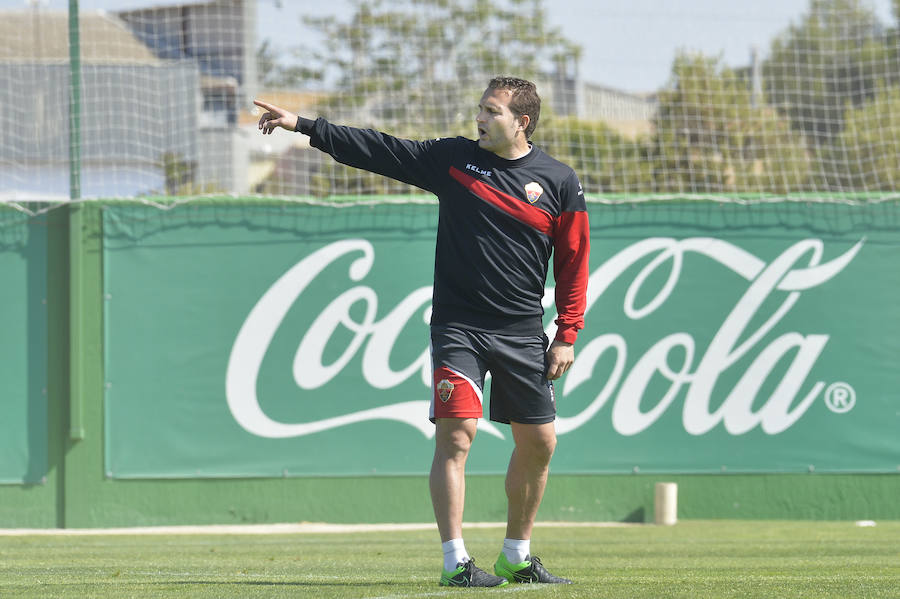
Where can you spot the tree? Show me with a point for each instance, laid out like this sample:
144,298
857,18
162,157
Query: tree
273,73
605,161
835,55
870,142
892,42
426,61
417,68
180,175
712,138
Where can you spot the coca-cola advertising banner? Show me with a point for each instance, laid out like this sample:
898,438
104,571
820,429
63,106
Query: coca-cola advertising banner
292,340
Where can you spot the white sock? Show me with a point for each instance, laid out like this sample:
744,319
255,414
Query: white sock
454,553
516,550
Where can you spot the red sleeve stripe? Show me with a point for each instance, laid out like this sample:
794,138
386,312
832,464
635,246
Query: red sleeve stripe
521,211
572,247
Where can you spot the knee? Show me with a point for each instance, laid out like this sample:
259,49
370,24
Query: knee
456,443
453,443
547,447
538,448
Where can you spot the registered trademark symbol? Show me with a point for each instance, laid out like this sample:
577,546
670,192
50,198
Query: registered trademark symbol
840,398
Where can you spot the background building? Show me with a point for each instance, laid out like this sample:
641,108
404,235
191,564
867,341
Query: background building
220,38
142,108
162,89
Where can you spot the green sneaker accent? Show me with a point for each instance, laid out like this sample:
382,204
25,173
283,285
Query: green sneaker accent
469,575
453,579
502,567
531,570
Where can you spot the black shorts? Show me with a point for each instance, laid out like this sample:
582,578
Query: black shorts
520,391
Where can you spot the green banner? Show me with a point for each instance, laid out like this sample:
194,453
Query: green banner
291,340
23,348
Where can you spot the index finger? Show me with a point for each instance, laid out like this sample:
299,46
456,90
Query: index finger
265,105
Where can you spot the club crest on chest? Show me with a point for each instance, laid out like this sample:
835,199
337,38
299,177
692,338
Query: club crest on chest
533,192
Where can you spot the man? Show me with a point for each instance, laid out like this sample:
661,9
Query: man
505,207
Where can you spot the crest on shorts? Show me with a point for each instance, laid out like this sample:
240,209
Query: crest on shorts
444,389
533,191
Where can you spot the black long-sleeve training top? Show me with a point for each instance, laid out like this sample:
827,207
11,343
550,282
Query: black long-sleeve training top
499,222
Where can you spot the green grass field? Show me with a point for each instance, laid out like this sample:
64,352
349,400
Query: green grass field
693,559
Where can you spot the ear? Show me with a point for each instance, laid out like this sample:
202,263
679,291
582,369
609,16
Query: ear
524,121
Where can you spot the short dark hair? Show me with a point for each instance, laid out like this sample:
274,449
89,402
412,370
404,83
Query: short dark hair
524,100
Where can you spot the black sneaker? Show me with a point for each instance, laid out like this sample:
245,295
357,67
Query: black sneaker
468,575
531,570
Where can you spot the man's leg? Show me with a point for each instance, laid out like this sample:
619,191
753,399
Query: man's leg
452,441
526,479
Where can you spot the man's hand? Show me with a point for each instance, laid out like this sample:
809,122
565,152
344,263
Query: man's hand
560,356
275,117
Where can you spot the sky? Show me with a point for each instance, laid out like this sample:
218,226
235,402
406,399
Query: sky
627,44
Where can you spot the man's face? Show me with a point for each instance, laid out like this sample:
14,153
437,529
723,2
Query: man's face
497,125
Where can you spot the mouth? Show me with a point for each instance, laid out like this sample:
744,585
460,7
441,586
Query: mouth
482,132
